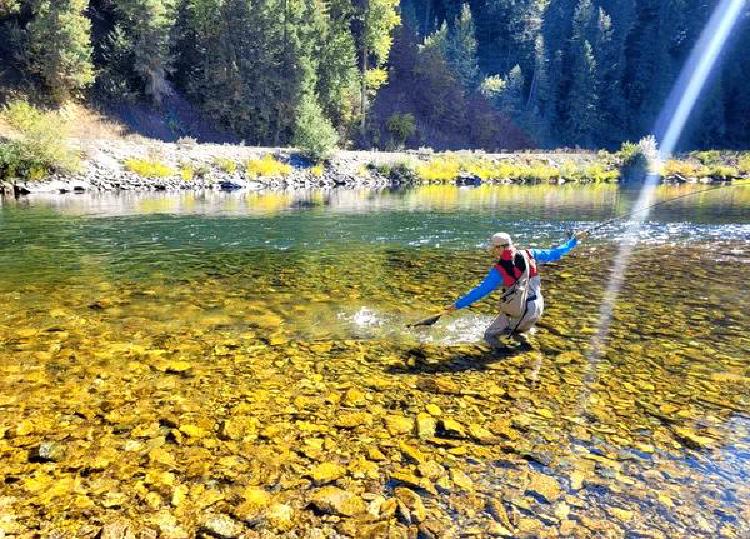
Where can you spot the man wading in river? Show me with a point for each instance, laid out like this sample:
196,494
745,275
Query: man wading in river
521,304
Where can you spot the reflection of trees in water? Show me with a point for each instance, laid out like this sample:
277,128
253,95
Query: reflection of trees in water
567,201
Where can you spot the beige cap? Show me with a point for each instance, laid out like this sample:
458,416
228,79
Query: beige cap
501,239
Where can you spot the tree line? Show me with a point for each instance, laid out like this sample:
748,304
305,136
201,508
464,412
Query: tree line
448,74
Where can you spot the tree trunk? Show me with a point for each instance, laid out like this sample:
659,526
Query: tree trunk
363,97
532,90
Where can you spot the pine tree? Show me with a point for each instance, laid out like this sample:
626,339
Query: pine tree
303,28
736,98
251,43
337,76
582,101
461,49
198,28
538,103
506,32
581,106
147,25
557,32
378,19
60,47
314,133
511,99
9,7
438,39
616,20
650,69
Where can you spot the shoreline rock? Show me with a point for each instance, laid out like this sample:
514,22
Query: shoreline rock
103,169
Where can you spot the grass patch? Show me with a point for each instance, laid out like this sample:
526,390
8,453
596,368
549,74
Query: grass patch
723,171
449,168
229,166
707,157
267,166
441,169
398,171
149,169
538,172
685,169
39,148
598,173
187,173
743,163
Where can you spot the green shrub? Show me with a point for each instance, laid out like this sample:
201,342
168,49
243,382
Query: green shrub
314,133
708,157
598,173
627,151
743,163
636,159
202,171
401,127
267,166
683,168
539,172
227,165
149,169
187,172
9,161
570,171
41,148
402,171
439,169
383,170
481,168
723,171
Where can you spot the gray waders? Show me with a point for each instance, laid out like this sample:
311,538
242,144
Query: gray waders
504,326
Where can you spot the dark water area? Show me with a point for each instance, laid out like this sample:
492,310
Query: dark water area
248,353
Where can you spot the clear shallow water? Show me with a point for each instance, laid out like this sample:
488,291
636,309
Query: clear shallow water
124,320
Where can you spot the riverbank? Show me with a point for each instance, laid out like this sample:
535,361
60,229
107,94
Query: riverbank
137,164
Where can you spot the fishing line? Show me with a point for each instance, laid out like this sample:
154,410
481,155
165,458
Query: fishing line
648,208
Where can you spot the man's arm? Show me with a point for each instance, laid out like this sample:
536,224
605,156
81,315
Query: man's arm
490,282
543,256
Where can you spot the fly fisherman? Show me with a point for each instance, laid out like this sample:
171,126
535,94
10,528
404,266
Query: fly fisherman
516,270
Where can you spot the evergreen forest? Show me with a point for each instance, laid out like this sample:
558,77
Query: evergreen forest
487,74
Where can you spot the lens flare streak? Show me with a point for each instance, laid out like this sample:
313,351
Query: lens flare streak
669,127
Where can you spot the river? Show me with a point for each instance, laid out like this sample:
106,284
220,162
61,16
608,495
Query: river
229,363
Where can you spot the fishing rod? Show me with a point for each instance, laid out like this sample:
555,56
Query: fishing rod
648,208
431,320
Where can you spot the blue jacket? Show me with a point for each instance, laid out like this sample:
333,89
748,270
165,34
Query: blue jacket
494,279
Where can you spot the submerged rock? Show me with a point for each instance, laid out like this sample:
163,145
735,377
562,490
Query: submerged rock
222,526
336,501
411,507
327,472
117,530
47,452
545,486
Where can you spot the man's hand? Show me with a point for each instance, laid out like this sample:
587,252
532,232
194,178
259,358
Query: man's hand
447,309
582,235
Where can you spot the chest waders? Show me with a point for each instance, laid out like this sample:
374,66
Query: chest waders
516,268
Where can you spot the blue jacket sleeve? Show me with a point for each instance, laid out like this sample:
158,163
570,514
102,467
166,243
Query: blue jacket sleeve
553,255
491,281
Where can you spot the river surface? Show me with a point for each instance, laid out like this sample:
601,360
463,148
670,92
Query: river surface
238,364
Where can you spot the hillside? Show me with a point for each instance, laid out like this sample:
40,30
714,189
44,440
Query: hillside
488,74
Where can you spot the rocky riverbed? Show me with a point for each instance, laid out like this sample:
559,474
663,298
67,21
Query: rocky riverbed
215,403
